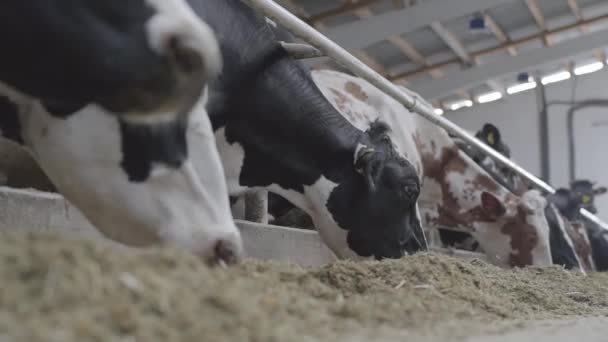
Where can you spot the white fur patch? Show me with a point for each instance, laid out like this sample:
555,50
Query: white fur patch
233,159
176,18
462,188
496,244
314,203
377,105
541,253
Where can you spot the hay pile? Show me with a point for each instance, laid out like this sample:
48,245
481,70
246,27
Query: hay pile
72,290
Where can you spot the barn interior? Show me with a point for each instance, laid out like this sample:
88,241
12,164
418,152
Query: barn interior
533,69
491,62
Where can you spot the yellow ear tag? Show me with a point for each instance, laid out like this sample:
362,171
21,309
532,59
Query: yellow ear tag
585,199
491,139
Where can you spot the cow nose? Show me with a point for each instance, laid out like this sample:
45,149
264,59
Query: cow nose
225,252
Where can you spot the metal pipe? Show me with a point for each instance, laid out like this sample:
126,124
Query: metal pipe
543,130
408,99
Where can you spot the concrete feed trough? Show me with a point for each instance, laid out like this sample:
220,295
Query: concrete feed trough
29,210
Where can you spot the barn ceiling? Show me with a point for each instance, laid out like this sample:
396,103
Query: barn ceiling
428,45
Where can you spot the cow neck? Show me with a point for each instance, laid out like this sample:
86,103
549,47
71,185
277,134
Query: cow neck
447,167
267,98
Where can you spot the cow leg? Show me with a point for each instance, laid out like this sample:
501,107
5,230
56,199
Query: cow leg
433,237
256,206
237,206
18,168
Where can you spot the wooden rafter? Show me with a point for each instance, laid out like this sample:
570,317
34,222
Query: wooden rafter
348,6
513,43
459,49
366,58
499,33
403,45
578,14
539,18
413,54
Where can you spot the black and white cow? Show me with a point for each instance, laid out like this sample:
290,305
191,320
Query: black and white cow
275,130
130,57
491,136
586,192
569,202
121,155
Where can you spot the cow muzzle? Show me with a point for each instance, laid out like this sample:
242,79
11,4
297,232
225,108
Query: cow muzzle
224,252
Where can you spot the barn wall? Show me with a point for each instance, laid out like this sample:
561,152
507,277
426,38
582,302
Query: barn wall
516,116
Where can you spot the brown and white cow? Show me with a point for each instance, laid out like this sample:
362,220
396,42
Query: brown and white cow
569,244
456,192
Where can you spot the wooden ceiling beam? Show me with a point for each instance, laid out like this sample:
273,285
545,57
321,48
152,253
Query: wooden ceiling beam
345,8
503,46
539,18
499,33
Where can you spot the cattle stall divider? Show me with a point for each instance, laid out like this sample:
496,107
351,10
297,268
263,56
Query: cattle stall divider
408,99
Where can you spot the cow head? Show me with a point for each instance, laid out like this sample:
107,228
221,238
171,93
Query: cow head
377,203
567,202
524,222
589,239
490,135
123,159
586,191
458,194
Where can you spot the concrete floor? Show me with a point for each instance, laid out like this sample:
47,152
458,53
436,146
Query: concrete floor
575,329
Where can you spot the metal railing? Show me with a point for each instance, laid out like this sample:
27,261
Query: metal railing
411,101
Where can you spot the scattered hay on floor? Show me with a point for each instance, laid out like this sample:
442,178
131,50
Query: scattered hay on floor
57,289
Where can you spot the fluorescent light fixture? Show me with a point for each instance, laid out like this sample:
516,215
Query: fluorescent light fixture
518,88
461,104
438,111
588,68
489,97
556,77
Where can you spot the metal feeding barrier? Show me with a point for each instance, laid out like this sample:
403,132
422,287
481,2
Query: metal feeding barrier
411,101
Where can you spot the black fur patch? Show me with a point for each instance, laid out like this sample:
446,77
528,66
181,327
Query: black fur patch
146,144
10,126
62,110
561,252
92,52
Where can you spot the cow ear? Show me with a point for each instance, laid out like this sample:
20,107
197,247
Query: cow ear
584,199
492,205
368,164
600,191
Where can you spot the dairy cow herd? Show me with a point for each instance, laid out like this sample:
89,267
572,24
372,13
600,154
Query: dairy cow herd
150,115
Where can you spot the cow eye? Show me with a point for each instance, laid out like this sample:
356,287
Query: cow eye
411,190
386,139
